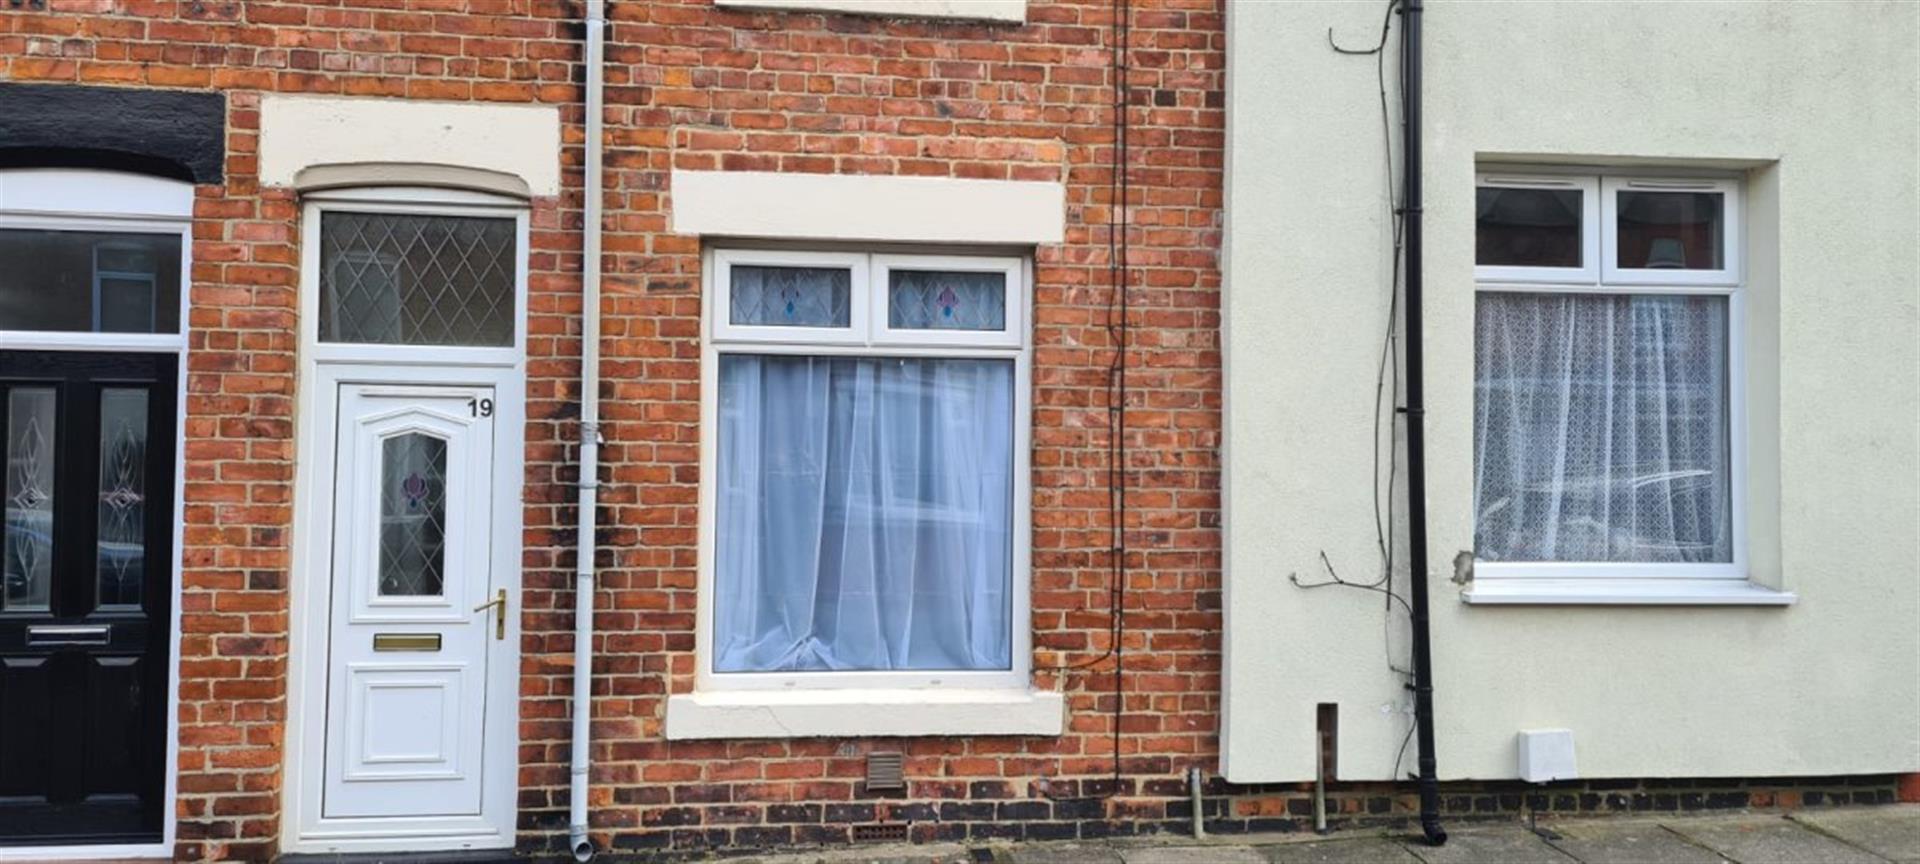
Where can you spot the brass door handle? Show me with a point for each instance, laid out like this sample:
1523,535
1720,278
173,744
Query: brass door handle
499,605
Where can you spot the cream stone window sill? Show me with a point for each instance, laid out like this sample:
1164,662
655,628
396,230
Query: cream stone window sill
1512,591
864,713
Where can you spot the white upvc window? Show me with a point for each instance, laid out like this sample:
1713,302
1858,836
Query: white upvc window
1609,404
864,515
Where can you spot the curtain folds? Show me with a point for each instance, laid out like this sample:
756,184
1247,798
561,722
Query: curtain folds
1601,430
865,514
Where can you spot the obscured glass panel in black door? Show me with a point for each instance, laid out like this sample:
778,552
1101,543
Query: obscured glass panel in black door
122,532
31,427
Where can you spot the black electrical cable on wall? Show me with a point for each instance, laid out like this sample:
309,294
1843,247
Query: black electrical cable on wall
1117,325
1386,385
1120,336
1407,248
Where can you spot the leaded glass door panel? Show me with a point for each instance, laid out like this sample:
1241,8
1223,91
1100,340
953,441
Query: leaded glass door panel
412,614
85,588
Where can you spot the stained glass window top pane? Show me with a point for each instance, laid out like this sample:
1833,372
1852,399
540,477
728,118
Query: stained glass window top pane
413,515
790,296
943,300
121,549
28,569
394,279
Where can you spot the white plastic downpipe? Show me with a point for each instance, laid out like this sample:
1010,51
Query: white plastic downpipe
587,549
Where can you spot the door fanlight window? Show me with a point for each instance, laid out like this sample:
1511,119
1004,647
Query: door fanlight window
68,281
404,279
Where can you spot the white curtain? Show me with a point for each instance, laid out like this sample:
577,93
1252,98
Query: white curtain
865,514
1601,428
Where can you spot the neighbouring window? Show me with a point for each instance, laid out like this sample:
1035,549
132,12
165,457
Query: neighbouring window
89,281
1605,368
865,482
416,279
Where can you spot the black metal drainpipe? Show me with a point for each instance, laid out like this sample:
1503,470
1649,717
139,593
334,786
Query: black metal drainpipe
1416,425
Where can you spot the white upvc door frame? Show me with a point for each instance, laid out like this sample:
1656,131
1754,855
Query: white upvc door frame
324,367
89,200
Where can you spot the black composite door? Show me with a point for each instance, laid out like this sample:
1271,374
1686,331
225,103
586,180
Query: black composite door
84,618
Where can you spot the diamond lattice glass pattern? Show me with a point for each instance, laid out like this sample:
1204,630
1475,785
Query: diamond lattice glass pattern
940,300
790,296
416,280
121,548
29,531
413,515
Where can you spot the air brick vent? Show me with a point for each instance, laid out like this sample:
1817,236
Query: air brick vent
895,832
885,772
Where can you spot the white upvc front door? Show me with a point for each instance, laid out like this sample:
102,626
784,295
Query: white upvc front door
412,742
414,602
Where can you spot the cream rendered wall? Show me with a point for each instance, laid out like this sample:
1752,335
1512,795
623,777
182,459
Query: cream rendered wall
1821,100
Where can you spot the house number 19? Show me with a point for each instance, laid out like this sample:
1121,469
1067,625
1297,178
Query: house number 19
480,407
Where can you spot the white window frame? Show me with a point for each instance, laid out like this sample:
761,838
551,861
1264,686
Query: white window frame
1658,583
1730,232
858,313
884,334
53,199
868,340
1590,216
62,199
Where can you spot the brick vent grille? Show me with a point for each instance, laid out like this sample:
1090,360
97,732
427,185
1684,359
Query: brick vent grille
893,833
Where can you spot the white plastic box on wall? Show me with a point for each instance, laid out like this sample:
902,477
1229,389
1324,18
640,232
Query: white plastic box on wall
1546,754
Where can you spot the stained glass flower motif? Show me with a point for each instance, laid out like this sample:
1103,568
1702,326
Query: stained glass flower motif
790,296
413,516
936,300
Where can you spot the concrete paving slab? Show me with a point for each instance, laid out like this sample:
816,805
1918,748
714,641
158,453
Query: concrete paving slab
1490,845
1360,850
891,853
1191,855
1769,840
1891,832
1065,853
1629,842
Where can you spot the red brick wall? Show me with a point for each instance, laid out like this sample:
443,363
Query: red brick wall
692,87
695,88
